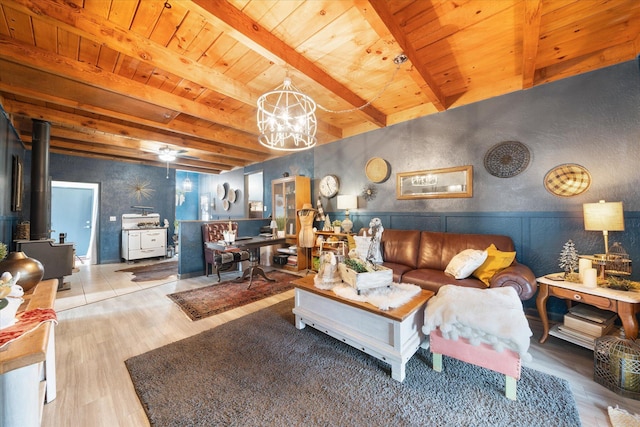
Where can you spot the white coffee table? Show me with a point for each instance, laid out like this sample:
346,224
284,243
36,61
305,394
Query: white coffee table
392,336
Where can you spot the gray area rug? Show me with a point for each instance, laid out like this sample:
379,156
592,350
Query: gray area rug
260,370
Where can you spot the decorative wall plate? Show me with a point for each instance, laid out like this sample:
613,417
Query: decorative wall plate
232,195
377,170
221,192
226,205
567,180
507,159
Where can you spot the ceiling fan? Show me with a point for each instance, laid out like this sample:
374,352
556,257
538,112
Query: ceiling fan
168,155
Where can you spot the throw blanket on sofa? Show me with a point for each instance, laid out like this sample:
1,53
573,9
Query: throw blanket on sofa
491,316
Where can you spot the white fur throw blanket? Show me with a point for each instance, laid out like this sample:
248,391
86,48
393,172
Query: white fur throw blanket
491,316
385,298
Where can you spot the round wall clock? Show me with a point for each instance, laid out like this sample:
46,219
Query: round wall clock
329,186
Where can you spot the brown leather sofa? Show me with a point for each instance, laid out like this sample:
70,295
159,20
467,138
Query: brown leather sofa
420,257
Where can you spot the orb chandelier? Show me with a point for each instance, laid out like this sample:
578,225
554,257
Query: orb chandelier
287,119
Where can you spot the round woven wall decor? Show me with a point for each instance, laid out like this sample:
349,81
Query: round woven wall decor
507,159
567,180
377,170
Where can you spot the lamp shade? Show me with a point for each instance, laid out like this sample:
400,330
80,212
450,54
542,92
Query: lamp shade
273,224
347,202
603,216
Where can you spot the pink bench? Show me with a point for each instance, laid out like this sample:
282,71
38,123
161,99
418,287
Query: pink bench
506,362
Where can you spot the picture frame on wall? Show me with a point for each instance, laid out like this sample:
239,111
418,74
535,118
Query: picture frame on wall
435,183
16,184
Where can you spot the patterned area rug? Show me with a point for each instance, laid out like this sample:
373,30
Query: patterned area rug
259,370
145,273
204,302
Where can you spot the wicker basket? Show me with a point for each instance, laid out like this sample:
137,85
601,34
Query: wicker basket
617,365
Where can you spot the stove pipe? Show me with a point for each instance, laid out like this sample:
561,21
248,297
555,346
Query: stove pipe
40,190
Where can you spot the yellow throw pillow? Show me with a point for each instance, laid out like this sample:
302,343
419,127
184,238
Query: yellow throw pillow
495,262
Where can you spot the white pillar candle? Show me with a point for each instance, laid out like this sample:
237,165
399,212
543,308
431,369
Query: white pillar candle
590,279
583,265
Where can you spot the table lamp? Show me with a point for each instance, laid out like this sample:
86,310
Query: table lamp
274,228
347,202
604,216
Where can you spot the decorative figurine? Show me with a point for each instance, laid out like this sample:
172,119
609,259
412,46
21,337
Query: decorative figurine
328,275
374,255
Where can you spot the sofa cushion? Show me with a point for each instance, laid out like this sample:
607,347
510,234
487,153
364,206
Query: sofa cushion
438,248
398,270
466,262
432,280
496,261
401,247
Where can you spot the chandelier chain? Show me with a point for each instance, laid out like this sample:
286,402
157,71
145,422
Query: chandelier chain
362,107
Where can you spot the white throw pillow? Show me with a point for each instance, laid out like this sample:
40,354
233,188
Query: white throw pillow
466,262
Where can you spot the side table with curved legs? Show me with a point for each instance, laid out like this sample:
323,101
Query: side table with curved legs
625,303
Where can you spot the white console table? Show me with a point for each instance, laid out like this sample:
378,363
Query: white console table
392,336
28,366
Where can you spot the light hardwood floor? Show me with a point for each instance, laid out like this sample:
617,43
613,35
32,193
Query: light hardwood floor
105,319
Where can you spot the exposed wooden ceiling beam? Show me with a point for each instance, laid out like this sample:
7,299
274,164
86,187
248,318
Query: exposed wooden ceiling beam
135,135
61,149
16,52
222,135
430,87
530,39
104,32
91,144
241,27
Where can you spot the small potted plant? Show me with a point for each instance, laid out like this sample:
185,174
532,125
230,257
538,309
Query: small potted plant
280,220
336,225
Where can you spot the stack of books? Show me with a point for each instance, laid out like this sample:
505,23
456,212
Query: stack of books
584,323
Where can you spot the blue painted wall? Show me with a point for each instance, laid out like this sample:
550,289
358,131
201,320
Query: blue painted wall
10,146
116,180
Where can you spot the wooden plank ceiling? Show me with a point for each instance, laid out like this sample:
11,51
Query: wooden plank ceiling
121,79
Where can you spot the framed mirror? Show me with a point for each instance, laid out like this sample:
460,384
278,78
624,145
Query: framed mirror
435,183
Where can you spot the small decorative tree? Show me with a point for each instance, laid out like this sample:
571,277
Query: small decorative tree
568,258
327,223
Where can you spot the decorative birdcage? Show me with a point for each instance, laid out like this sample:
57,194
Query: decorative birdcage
618,262
617,365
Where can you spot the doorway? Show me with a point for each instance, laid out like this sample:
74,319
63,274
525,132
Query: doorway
74,211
